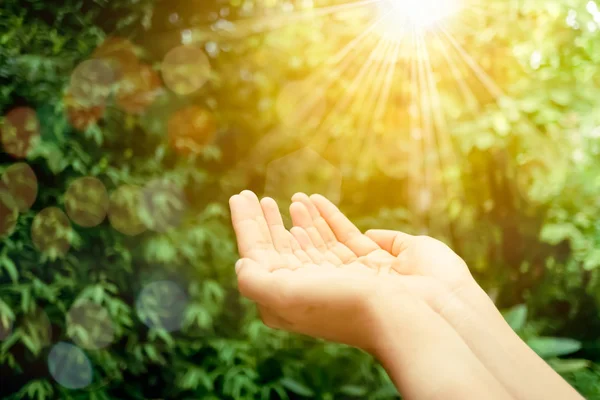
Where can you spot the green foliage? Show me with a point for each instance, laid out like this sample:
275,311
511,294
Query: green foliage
520,205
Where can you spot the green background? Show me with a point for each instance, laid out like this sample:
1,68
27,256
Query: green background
520,200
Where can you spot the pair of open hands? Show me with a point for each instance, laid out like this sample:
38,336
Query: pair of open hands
408,300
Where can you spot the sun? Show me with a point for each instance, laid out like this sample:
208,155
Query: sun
399,17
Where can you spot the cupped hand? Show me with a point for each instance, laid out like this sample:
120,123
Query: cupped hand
298,288
412,255
432,272
347,290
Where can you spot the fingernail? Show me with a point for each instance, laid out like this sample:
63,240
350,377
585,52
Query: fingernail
238,265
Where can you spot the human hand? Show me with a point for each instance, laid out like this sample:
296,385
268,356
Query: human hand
357,299
297,289
413,255
448,288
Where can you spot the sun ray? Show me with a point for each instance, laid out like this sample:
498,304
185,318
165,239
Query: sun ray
323,78
316,85
441,139
414,110
365,86
487,81
352,44
253,26
467,92
425,104
330,75
344,101
368,107
380,103
428,142
366,98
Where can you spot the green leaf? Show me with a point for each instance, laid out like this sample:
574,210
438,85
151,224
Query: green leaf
353,390
549,347
566,366
10,268
556,233
516,317
297,387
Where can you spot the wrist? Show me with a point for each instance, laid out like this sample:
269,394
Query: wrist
423,355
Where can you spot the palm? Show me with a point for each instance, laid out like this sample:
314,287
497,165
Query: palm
324,272
263,238
302,283
411,255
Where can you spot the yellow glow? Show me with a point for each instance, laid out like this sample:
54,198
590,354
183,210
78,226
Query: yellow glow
414,16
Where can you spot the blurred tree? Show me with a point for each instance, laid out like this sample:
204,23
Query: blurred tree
495,151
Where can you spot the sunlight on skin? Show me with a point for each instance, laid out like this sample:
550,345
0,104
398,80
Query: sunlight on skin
345,291
324,275
378,291
439,277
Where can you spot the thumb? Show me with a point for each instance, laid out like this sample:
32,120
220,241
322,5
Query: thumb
254,282
393,242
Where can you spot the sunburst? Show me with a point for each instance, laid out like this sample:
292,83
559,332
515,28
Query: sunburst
405,58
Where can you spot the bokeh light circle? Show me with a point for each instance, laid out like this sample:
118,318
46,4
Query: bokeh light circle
138,89
185,69
70,366
82,117
91,82
123,210
163,205
89,326
9,211
20,131
22,184
161,305
190,129
86,201
51,232
120,53
304,170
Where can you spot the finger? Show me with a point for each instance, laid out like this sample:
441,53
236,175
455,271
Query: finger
340,250
322,227
301,217
249,224
303,220
298,250
307,245
256,209
393,242
279,235
345,231
254,282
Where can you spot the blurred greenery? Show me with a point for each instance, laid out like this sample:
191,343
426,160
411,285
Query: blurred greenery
516,191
